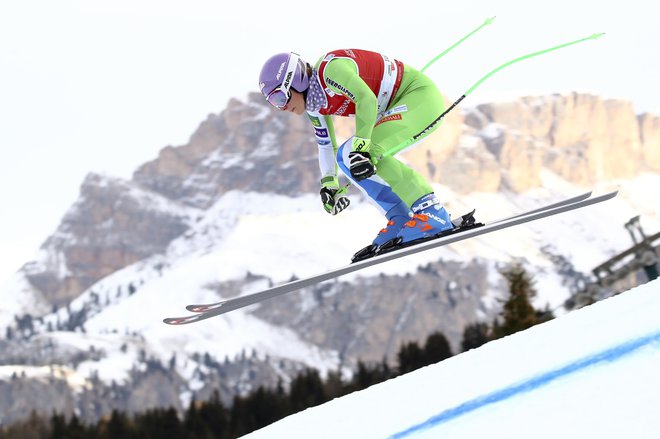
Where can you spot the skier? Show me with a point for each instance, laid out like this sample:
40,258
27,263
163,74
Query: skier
394,106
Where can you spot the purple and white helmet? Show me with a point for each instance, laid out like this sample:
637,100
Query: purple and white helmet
281,73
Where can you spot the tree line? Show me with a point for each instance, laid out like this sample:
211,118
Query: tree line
214,420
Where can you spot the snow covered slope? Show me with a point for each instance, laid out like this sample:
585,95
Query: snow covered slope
592,373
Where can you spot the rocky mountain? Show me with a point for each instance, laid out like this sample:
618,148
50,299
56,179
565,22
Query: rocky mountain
235,209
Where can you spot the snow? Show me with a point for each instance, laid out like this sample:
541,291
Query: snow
186,282
275,237
591,373
17,295
119,353
76,380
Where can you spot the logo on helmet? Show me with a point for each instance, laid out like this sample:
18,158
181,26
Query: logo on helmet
261,86
287,80
279,71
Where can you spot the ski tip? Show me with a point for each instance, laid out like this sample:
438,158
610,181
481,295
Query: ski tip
603,197
596,36
176,320
489,20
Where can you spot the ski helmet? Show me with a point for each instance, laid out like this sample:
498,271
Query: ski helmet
281,73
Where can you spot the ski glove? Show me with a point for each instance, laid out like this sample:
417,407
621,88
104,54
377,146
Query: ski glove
334,200
359,163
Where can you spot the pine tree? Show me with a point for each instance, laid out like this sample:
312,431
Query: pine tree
437,348
306,390
58,427
193,423
76,430
33,427
475,335
159,423
334,385
382,372
364,377
518,313
240,421
118,426
410,357
265,407
215,416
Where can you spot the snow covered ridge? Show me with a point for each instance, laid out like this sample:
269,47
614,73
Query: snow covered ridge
235,237
232,249
592,373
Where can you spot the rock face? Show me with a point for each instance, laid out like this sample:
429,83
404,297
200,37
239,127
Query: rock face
113,224
650,136
370,319
230,150
581,137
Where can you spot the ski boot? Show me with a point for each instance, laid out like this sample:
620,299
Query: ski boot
429,220
387,234
396,219
391,230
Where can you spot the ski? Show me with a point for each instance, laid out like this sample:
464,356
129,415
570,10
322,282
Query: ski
210,307
207,311
461,224
560,203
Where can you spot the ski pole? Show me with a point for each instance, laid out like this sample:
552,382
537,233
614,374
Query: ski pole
404,145
540,52
485,23
343,189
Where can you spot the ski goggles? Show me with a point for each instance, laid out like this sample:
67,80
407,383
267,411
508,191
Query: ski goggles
279,98
281,95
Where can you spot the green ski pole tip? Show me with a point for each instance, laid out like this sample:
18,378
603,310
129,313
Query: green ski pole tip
489,21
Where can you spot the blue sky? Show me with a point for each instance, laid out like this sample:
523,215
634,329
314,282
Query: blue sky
100,86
